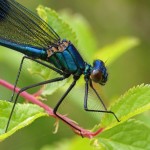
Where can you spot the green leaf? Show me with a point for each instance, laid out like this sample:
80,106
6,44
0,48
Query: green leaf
111,52
23,115
46,74
133,135
51,88
130,135
132,103
58,24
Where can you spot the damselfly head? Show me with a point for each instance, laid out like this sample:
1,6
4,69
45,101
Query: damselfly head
99,72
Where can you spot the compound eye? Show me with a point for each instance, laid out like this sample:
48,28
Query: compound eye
96,76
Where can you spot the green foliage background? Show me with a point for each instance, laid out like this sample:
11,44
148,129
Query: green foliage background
111,27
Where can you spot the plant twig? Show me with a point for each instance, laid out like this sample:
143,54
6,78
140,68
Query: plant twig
49,110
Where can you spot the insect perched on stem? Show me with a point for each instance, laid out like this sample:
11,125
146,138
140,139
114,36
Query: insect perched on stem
23,31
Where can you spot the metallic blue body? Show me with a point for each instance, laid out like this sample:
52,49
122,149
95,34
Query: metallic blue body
70,61
25,49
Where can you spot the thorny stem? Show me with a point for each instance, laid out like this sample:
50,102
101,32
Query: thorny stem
49,110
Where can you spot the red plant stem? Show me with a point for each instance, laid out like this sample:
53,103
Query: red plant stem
49,110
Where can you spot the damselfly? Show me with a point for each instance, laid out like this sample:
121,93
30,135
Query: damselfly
23,31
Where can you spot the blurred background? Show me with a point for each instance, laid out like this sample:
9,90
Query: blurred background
109,21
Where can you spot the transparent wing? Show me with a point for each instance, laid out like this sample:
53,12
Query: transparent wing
21,26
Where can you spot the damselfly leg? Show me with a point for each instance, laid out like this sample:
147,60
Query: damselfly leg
31,86
86,100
